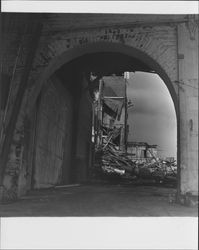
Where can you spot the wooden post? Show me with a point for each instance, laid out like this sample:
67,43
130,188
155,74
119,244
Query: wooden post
126,117
100,113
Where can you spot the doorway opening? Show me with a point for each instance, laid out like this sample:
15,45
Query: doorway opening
96,105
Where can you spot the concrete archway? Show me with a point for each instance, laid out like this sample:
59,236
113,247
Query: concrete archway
90,48
98,47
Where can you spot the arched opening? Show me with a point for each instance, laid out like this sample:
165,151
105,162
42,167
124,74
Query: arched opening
69,76
99,47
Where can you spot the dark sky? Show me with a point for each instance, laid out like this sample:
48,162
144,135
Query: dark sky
152,119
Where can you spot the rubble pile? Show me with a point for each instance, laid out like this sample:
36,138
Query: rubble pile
117,161
111,161
160,171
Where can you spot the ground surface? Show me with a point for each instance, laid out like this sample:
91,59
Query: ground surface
98,200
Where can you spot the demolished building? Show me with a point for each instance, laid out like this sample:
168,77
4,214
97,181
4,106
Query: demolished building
141,151
111,111
115,156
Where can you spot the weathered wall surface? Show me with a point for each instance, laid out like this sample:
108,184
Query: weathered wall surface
53,135
159,40
17,35
188,102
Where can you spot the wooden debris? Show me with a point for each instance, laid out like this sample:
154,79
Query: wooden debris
109,159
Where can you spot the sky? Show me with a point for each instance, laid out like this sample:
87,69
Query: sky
152,119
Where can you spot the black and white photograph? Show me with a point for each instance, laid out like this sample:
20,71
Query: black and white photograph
99,117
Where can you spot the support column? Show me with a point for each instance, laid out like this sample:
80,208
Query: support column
188,98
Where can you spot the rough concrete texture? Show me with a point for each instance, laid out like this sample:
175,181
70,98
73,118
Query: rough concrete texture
188,98
99,200
160,41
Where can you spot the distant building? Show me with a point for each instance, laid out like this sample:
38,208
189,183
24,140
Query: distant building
114,107
111,110
142,151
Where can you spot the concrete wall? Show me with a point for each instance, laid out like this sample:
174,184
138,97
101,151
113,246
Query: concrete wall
22,167
17,35
53,136
188,104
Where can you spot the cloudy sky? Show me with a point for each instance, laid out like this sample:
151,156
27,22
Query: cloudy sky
152,119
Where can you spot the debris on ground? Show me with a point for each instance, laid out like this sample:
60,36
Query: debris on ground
160,171
112,162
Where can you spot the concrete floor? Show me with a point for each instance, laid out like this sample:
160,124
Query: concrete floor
98,200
